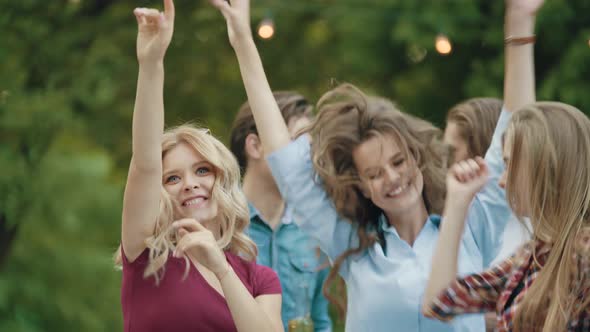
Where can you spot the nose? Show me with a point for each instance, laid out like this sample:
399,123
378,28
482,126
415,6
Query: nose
391,175
191,183
502,180
190,187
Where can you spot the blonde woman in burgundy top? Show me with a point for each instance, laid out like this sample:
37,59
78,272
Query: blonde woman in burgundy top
187,264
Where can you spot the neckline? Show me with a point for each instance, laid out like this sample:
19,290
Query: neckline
208,286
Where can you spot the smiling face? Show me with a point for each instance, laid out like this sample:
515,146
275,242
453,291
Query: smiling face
189,179
389,176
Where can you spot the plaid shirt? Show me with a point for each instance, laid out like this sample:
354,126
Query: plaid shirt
503,287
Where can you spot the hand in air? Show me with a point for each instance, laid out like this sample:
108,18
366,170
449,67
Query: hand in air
154,33
466,178
197,242
237,16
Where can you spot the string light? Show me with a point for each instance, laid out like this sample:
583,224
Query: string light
443,45
266,28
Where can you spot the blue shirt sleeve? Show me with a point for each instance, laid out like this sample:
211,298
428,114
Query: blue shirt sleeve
313,210
489,212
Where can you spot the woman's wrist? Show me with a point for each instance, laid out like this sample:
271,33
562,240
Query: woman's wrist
151,67
518,24
457,202
223,272
243,43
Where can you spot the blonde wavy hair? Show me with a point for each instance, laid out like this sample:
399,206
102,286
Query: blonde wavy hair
550,144
347,118
233,215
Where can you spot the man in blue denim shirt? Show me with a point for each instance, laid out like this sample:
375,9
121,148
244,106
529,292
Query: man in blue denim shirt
281,245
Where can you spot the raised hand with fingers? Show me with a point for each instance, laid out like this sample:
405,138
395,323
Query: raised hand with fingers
154,33
466,178
237,16
197,242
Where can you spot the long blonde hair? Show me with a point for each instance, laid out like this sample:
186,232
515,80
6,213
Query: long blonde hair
233,215
550,144
347,118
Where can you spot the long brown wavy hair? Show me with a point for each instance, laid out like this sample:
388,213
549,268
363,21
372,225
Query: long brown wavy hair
347,118
548,173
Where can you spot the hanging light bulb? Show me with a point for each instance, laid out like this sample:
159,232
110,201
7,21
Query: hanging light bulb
266,28
443,45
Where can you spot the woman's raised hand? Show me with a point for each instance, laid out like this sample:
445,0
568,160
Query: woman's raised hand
154,33
466,178
237,16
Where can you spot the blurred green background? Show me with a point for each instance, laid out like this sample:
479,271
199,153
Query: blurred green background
67,84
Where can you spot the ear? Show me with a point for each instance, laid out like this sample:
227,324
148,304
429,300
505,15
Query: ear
253,147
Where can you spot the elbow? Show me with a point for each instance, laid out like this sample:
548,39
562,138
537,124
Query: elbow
145,165
427,310
432,311
427,302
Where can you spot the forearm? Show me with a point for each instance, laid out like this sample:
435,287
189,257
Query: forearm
148,116
444,262
269,121
519,80
245,310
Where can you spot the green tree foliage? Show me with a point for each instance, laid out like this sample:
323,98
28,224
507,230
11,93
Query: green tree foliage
67,83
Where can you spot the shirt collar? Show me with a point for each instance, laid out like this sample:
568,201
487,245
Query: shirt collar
286,219
386,228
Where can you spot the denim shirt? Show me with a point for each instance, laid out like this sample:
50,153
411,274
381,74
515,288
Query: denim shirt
301,267
386,283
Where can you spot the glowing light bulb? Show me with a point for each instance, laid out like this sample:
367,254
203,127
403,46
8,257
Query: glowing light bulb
266,28
443,45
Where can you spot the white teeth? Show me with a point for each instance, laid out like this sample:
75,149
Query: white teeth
194,201
397,191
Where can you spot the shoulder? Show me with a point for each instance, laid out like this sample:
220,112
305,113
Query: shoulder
262,279
140,261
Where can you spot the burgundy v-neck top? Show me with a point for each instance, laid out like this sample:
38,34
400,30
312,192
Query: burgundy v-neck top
185,305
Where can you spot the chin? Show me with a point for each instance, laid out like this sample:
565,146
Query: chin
203,216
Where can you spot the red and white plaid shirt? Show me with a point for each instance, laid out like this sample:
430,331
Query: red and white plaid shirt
503,287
